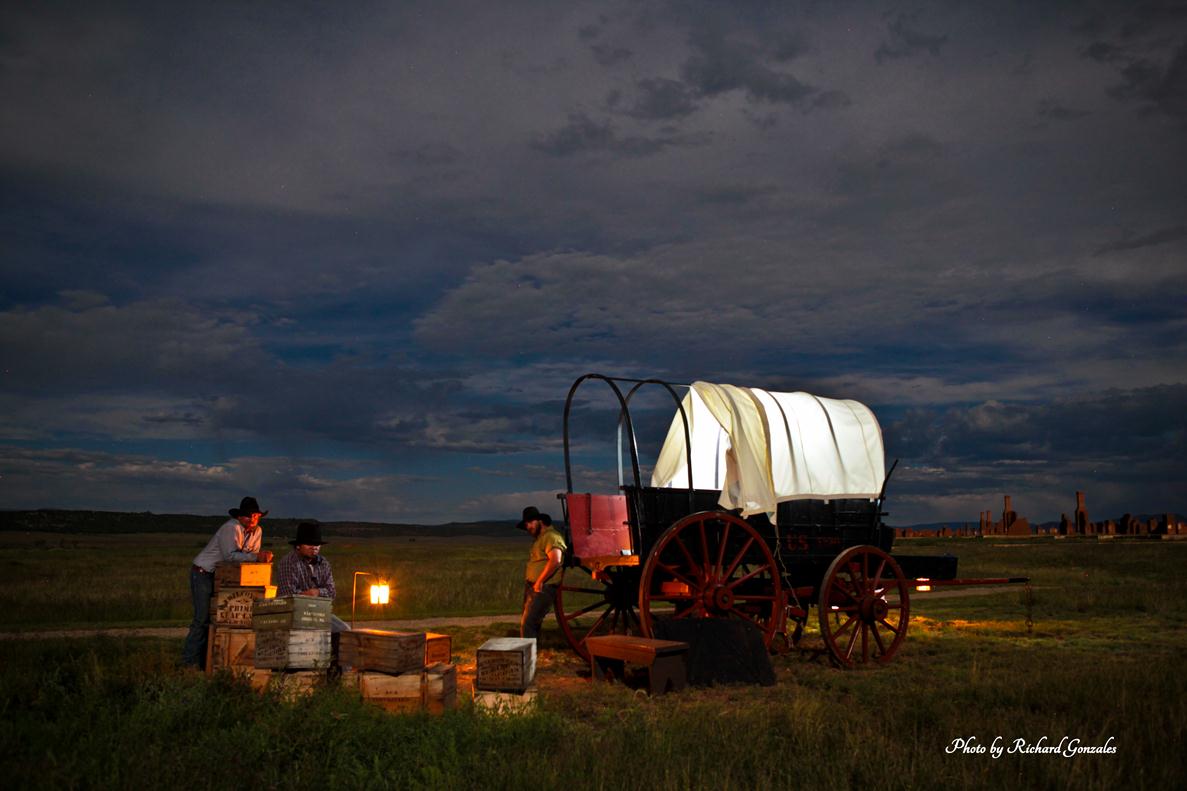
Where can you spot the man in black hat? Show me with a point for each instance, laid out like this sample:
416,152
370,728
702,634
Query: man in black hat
544,559
304,572
238,539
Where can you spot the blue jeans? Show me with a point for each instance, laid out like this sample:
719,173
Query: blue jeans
536,606
201,589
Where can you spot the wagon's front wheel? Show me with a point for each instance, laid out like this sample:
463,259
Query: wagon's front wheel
586,606
711,565
864,607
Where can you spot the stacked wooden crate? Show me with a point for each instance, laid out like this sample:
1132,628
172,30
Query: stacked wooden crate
292,635
231,642
506,674
399,671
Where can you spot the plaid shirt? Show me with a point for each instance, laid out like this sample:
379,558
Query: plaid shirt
295,575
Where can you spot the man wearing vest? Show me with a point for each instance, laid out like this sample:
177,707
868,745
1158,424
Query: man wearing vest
544,560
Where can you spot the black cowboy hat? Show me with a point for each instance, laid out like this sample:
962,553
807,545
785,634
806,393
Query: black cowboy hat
247,507
308,533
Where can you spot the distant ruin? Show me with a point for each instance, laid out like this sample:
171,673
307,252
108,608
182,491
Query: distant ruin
1011,524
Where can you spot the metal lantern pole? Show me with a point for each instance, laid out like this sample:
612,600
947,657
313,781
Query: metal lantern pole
354,587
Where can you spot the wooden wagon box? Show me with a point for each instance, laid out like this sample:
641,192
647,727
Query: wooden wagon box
231,574
233,606
296,649
438,648
230,648
402,692
506,664
291,612
382,650
440,687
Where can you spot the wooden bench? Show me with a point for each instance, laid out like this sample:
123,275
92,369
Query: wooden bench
666,660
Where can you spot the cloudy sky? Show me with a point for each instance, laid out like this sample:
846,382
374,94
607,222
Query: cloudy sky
349,257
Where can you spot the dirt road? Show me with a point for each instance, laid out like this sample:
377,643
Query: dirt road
411,624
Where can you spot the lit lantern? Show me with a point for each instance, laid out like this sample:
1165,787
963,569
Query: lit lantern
921,584
380,594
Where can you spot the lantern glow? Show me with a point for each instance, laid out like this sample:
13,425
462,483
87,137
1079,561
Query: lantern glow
380,593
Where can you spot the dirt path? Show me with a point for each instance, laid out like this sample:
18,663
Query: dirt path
411,624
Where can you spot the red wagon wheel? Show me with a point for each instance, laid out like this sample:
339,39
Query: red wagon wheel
586,606
864,607
711,565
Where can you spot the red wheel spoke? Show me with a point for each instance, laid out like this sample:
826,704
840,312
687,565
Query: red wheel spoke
584,610
738,559
704,547
852,643
878,574
747,617
686,610
841,629
894,629
600,620
692,564
725,534
679,575
752,574
878,640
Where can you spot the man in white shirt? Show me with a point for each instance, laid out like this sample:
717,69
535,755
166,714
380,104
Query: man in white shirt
237,539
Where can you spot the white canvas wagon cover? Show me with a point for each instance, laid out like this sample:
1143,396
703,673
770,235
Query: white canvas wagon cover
762,448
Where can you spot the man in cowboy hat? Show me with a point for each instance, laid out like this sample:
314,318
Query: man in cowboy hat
237,539
304,572
544,558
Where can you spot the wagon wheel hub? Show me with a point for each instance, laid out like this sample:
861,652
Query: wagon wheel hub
719,597
873,608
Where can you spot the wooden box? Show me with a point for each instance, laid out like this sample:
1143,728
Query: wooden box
382,650
291,612
232,606
296,649
506,664
230,648
231,574
505,702
403,692
440,687
290,684
438,648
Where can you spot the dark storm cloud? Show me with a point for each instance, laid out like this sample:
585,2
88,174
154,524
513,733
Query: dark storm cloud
354,256
1054,110
657,99
1133,242
904,40
584,135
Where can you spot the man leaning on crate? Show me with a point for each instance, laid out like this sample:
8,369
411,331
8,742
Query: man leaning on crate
237,540
304,572
544,559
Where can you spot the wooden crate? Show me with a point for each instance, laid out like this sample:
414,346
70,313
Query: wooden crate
506,664
232,606
402,692
230,648
231,574
382,650
296,649
440,687
505,702
291,612
288,684
438,648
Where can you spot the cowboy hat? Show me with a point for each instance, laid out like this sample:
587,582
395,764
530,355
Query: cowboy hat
308,533
247,507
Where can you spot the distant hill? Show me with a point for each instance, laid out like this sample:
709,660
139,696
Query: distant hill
937,526
60,521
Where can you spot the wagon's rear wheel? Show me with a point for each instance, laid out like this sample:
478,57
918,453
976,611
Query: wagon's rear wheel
586,606
711,565
864,607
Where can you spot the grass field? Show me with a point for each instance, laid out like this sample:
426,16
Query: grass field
1103,660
